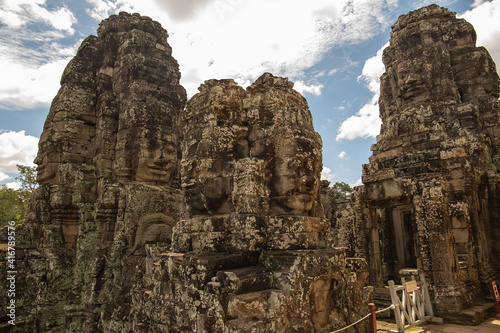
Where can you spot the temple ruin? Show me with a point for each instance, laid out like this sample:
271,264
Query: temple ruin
431,189
157,216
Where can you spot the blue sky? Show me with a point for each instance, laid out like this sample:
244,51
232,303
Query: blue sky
330,49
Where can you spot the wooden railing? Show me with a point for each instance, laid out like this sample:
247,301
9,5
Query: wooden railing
412,305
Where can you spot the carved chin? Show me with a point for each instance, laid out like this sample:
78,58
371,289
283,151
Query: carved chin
47,175
300,202
297,203
152,174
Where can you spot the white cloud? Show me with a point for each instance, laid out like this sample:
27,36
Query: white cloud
342,155
422,3
359,182
14,185
188,9
4,176
314,89
101,9
231,39
30,55
9,18
242,39
484,18
16,148
333,71
477,3
29,87
373,70
326,174
366,122
16,13
284,44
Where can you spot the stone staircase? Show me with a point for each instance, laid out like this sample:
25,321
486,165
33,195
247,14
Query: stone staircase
268,291
473,315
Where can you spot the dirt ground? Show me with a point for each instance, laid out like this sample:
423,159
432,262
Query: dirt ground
490,325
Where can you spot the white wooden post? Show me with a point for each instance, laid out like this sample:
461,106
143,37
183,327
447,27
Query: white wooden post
397,306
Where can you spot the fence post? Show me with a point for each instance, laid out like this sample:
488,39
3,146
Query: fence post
397,310
373,318
496,297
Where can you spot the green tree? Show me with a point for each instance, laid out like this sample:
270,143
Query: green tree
27,177
340,187
13,203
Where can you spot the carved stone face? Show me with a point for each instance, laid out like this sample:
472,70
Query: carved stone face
295,180
65,140
158,165
47,171
214,196
414,80
48,161
207,192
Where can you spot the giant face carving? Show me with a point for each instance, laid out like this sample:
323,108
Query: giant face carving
295,179
414,80
158,163
205,187
58,147
48,166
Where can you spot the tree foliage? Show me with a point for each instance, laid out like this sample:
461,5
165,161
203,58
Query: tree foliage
27,177
13,203
339,188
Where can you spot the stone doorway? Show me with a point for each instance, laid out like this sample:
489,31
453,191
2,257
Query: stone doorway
403,240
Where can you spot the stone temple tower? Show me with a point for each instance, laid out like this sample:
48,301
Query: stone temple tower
431,189
108,169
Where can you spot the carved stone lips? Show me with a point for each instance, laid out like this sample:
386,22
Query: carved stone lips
160,167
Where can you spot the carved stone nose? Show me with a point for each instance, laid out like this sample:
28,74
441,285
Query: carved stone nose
307,180
38,160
